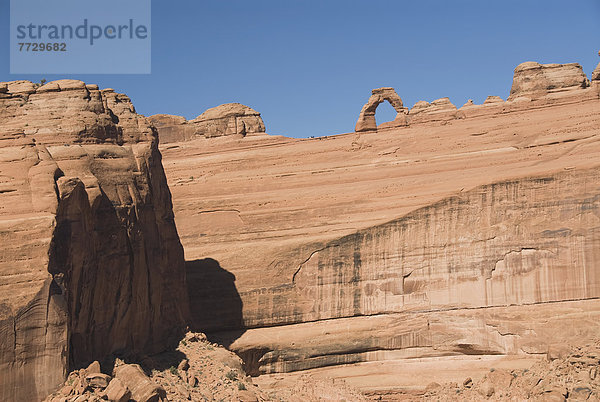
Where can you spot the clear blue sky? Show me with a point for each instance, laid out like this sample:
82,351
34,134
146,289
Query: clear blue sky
309,66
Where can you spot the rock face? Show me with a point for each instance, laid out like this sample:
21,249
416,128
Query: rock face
366,120
223,120
90,259
432,249
533,80
427,266
172,128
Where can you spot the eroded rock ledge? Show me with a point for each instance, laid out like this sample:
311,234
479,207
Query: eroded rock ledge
90,259
223,120
533,85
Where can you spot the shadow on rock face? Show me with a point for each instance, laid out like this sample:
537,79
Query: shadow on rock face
215,304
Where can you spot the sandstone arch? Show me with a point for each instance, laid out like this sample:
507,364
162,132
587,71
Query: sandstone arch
366,120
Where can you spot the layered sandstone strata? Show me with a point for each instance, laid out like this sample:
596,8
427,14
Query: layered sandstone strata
439,109
172,128
451,242
224,120
533,80
90,260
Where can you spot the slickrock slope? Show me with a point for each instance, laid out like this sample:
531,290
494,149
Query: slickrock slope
227,119
465,240
90,260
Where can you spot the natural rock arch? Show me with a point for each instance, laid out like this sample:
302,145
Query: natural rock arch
366,120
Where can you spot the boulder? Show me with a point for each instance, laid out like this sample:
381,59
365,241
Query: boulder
93,368
580,393
97,380
142,388
192,381
486,389
183,365
117,391
247,396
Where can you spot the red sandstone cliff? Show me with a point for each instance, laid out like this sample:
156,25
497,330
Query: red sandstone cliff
90,259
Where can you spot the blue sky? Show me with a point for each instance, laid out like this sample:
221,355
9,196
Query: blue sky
309,66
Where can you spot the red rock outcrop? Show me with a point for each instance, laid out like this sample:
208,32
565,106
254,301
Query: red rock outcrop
229,119
543,83
566,374
446,246
198,370
534,80
366,119
224,120
596,73
172,128
90,259
440,109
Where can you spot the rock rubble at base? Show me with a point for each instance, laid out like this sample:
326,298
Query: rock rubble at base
569,373
197,370
129,383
